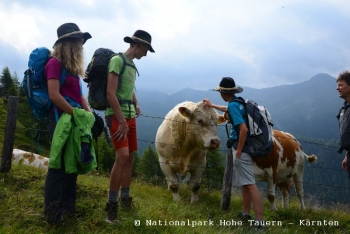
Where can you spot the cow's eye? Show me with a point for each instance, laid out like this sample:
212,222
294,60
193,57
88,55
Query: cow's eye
200,122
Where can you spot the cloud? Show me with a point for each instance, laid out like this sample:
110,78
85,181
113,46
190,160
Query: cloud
196,42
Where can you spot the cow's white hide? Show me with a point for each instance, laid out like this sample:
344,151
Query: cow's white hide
30,159
182,141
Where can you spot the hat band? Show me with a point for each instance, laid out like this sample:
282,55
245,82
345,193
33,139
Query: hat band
225,89
141,40
70,34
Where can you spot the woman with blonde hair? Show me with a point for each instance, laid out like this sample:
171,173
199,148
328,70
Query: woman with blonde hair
66,60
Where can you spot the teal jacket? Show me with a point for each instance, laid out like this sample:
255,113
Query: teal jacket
73,135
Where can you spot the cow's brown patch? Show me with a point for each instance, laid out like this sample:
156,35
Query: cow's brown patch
269,161
21,161
29,156
289,147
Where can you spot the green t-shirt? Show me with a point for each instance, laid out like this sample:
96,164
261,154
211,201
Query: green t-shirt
125,92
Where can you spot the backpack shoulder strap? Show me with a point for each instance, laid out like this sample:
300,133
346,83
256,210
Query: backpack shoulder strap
62,79
228,113
126,64
63,75
63,72
239,99
244,103
123,68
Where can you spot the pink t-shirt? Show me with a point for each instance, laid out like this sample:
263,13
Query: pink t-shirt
71,85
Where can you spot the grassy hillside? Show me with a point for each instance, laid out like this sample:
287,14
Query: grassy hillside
21,195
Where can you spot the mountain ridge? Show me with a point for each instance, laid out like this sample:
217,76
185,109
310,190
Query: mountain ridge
305,109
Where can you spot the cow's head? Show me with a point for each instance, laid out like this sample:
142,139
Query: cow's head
202,122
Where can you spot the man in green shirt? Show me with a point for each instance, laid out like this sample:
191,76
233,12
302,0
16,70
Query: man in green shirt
121,120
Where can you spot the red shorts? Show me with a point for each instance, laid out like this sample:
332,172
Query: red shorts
130,141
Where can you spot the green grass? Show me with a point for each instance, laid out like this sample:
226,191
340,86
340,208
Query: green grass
21,210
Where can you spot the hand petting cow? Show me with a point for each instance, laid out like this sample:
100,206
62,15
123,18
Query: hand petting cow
182,141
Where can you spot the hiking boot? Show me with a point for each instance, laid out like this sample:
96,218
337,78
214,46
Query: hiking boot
126,202
112,211
244,217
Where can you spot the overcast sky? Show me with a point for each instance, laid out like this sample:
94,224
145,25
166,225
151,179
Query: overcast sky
197,42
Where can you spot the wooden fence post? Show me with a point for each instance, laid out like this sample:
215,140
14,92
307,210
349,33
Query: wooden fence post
9,137
227,181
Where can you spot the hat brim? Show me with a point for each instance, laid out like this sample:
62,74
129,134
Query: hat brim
84,35
134,40
237,90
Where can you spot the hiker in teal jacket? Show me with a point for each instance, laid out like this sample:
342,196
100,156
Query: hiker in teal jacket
61,179
243,161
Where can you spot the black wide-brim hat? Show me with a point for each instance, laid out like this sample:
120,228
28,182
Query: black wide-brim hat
142,37
71,30
228,85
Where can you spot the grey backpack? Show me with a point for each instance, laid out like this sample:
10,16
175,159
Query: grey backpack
259,139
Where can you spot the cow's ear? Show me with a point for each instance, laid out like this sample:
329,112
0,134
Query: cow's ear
185,112
221,119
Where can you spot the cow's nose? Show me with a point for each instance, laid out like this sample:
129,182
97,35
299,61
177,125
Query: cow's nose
215,143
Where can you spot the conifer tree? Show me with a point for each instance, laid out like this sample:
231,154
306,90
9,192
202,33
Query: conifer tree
18,85
148,165
7,84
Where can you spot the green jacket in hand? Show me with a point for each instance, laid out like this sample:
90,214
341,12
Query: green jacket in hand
71,132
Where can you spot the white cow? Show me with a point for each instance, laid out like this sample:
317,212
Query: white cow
286,162
182,141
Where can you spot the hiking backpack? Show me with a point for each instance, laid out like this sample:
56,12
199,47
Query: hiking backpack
35,84
259,137
344,127
96,75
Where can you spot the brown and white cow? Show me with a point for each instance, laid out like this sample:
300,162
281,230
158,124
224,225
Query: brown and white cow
285,162
30,159
182,141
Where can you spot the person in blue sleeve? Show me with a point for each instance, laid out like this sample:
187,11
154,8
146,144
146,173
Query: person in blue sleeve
243,161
